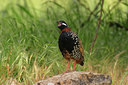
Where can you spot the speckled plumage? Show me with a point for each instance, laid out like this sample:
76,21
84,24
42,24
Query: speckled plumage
71,47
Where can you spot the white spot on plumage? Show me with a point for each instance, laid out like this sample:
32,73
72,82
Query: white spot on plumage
64,24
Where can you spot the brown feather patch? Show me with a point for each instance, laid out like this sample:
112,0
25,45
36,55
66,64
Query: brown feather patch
66,55
81,48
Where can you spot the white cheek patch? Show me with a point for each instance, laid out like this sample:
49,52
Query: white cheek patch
64,24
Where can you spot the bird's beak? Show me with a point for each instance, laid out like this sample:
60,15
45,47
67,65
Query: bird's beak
57,21
59,24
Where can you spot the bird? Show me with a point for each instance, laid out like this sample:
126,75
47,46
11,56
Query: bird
70,45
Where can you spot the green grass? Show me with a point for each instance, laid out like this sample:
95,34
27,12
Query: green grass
29,40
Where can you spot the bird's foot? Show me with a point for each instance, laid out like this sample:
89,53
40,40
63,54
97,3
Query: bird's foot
66,71
72,70
69,71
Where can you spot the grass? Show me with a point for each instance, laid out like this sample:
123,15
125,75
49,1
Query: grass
29,40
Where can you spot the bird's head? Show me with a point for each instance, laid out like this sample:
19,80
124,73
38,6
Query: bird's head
62,25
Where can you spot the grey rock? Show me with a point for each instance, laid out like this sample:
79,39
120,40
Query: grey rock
77,78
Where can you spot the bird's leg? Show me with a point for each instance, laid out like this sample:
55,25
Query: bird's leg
74,65
68,65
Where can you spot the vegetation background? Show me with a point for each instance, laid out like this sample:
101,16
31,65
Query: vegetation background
29,38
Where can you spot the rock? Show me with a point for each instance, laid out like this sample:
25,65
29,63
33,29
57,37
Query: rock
77,78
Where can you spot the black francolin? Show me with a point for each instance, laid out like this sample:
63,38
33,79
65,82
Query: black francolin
70,45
